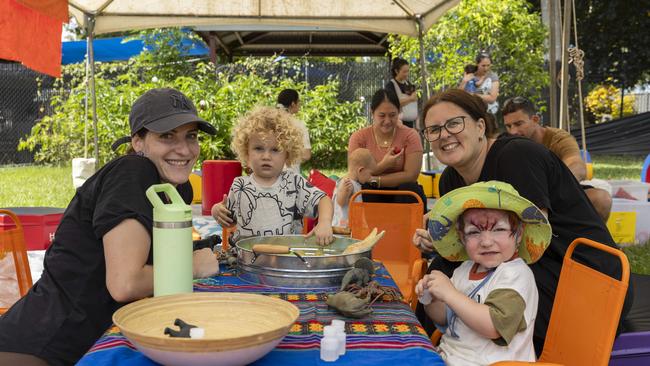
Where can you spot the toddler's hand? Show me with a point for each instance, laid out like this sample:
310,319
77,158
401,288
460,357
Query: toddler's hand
422,240
439,285
222,214
204,263
323,232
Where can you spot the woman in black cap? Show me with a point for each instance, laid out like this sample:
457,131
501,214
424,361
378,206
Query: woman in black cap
101,256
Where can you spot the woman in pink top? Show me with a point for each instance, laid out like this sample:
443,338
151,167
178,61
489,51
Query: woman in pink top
396,148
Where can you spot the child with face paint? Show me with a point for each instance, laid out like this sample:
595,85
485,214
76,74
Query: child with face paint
487,309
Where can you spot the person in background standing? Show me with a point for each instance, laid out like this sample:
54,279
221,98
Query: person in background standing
405,91
290,101
486,81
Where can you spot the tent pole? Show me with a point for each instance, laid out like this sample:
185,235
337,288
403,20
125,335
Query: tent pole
90,29
564,102
425,84
86,105
579,65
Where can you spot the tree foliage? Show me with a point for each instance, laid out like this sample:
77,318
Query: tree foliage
221,96
614,36
506,28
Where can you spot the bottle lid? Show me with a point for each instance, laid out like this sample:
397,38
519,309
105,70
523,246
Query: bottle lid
330,331
339,324
176,211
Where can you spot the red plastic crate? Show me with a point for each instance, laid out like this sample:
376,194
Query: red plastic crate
39,224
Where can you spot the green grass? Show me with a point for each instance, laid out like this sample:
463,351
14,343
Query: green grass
617,166
35,186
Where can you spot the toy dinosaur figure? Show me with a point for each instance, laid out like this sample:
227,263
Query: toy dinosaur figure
184,331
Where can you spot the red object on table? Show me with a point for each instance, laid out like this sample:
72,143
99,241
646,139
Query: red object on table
39,224
216,178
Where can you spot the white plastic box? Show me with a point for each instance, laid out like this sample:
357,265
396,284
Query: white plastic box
630,189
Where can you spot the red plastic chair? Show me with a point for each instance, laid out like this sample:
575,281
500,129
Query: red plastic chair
12,242
325,184
400,220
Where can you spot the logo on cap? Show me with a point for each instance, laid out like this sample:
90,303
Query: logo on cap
180,102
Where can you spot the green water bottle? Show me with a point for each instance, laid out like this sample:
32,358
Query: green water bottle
172,242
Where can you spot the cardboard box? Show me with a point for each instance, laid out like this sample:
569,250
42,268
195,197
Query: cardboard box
39,224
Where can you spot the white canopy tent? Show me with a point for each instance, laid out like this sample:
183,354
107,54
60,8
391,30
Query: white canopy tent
406,17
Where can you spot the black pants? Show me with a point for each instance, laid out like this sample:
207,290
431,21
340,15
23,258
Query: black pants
411,186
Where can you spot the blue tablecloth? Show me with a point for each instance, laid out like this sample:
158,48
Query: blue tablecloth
391,335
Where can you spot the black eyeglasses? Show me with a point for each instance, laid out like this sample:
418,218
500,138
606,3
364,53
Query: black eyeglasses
453,126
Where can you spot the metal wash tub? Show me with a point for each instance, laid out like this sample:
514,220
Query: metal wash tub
314,267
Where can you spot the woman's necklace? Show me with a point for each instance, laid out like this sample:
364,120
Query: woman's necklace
385,143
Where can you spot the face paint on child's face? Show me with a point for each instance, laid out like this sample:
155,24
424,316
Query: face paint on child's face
488,237
265,158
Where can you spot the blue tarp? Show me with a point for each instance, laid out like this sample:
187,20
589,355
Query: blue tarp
117,49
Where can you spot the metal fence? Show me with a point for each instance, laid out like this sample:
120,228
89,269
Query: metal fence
21,106
25,95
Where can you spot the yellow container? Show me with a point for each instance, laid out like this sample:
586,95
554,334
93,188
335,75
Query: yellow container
590,171
622,226
426,181
195,181
436,185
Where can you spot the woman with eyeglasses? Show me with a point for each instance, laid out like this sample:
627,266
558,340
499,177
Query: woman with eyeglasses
397,150
458,129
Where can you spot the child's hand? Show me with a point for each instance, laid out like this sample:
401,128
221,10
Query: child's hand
422,286
222,214
439,285
204,263
323,232
346,188
422,240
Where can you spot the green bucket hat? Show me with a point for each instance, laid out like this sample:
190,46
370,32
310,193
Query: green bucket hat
496,195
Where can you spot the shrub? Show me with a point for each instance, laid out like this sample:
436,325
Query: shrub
604,103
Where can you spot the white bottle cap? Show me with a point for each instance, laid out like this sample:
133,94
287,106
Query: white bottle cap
425,297
330,331
197,333
339,324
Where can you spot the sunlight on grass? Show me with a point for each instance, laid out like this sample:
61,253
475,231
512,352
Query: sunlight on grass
35,186
617,167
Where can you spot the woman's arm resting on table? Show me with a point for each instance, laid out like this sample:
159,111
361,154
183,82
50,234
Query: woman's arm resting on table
126,248
412,164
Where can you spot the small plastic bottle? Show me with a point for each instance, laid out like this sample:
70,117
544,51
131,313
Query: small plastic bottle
342,337
329,345
425,297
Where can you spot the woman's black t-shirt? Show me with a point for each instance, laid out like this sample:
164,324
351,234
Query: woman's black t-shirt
69,308
541,177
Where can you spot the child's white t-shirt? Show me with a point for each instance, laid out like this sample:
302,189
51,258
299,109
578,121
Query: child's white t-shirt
471,348
341,218
275,210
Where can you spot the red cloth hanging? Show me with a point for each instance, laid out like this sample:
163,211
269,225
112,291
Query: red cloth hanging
31,37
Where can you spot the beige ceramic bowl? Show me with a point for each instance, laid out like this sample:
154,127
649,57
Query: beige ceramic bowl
239,328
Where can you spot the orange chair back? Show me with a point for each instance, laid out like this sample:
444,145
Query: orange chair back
12,245
400,257
586,311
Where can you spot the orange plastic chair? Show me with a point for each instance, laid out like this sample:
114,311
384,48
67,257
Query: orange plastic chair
12,241
400,257
586,312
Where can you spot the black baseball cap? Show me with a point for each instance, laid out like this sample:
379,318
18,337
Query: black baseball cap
161,110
